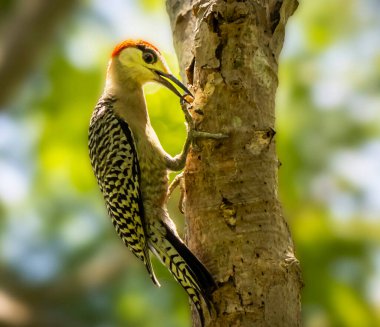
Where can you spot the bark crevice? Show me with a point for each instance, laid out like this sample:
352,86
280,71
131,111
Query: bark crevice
234,219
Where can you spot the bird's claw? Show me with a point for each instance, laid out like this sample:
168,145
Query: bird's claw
193,133
200,134
185,109
178,181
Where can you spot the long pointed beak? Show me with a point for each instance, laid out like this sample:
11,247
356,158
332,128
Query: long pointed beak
164,78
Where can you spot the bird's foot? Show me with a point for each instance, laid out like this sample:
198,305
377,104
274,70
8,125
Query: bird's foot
192,131
199,134
178,181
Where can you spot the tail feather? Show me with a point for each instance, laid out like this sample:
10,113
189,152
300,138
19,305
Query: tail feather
198,271
183,264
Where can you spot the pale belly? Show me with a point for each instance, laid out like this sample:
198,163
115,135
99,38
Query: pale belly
154,177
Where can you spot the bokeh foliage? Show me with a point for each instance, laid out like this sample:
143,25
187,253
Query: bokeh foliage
61,262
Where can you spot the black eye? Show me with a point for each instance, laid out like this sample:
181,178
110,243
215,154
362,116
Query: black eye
149,57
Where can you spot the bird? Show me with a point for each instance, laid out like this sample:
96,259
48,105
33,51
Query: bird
131,167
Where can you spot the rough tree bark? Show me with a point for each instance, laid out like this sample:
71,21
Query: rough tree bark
229,51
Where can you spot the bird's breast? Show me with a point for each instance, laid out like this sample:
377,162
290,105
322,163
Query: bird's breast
154,176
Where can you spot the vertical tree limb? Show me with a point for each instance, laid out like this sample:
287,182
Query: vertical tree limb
229,50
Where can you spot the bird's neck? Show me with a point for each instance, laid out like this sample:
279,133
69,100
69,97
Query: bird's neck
130,102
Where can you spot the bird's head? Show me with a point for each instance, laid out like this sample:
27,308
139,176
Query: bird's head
140,62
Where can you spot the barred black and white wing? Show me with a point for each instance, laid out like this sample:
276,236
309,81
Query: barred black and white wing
115,163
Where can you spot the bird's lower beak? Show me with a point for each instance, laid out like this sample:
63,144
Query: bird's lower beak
164,78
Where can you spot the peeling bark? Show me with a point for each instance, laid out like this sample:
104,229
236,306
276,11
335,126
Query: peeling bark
228,51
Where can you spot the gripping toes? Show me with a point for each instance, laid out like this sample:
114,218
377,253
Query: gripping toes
199,134
193,133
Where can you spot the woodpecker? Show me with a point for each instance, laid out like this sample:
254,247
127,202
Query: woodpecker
131,167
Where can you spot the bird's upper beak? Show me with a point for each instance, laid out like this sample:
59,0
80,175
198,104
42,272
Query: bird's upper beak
164,79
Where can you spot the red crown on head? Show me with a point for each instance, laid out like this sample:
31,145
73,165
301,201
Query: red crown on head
132,43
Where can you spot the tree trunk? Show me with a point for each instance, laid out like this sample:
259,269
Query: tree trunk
235,225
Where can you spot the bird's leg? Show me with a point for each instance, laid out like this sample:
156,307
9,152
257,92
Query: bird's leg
178,181
178,162
173,185
191,130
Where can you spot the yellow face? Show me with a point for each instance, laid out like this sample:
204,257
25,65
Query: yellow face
141,64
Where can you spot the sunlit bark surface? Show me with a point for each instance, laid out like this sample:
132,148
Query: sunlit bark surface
228,52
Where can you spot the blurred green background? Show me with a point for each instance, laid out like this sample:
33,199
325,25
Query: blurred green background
61,263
